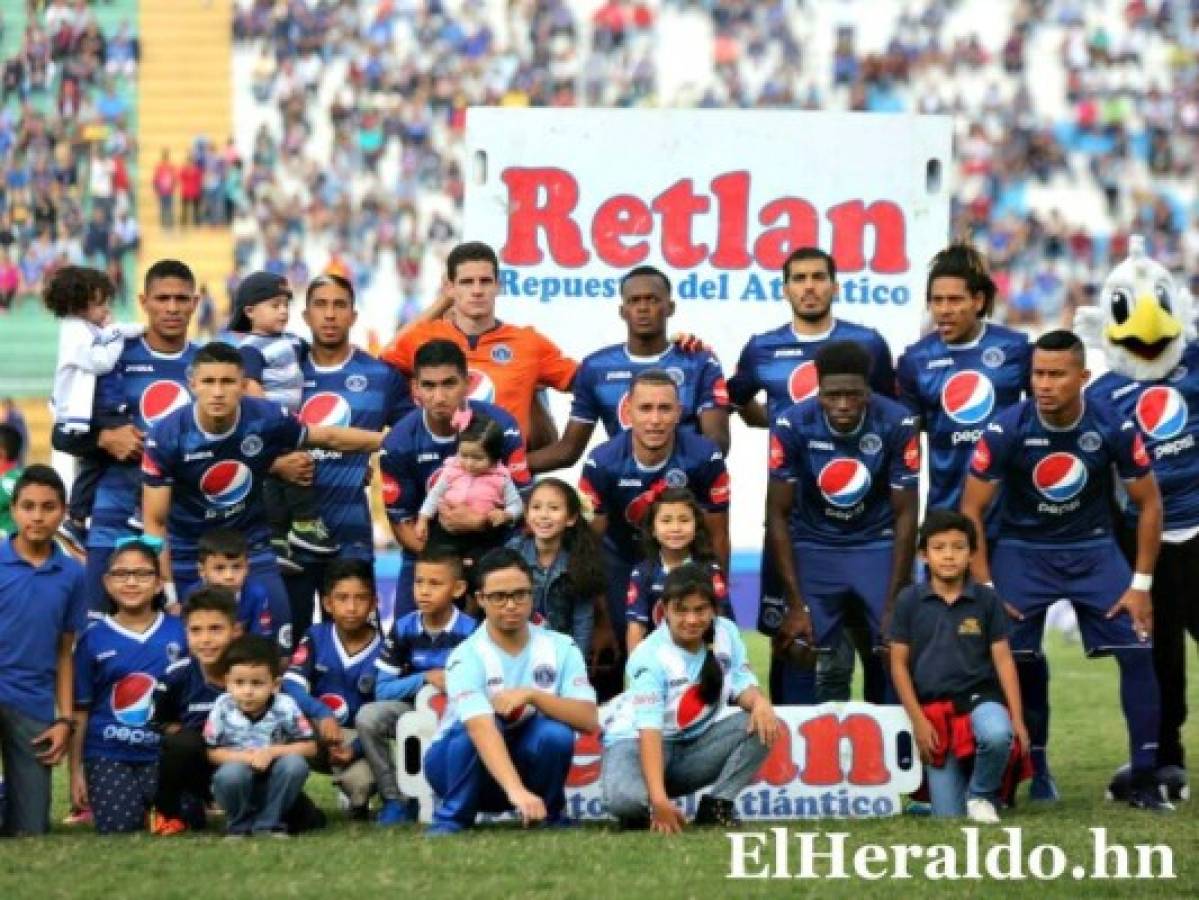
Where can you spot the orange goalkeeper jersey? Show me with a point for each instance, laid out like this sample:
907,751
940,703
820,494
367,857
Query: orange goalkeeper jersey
508,364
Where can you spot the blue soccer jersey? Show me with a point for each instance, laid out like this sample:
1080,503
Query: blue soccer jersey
217,480
843,482
601,384
1167,413
323,669
116,672
1058,481
183,696
622,489
365,393
144,388
783,364
648,580
410,651
956,389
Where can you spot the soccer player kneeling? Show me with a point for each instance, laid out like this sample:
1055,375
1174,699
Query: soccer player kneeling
953,671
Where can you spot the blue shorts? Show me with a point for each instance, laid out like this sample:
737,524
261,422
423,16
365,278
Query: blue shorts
1032,579
832,577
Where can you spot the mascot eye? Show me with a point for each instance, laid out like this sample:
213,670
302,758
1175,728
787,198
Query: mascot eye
1120,303
1162,293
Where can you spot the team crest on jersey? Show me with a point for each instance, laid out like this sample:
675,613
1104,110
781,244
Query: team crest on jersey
227,482
251,445
1089,441
968,397
870,444
1059,477
1161,412
501,353
161,399
803,382
675,478
324,409
543,676
993,357
844,482
356,383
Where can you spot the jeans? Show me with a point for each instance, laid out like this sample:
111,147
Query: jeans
256,801
947,785
541,750
26,781
725,756
376,724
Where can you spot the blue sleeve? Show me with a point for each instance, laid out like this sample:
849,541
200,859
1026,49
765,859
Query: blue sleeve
784,464
398,687
714,487
905,456
514,452
401,483
908,384
882,372
158,457
593,483
1132,461
84,688
287,433
744,384
711,390
637,598
399,396
252,361
993,452
76,618
901,619
309,705
584,406
303,662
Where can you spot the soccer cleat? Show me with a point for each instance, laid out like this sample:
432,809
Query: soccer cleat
313,536
394,812
636,823
1174,783
716,812
1146,793
1043,789
164,826
982,811
283,558
73,536
1120,787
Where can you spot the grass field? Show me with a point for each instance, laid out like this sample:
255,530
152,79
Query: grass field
359,861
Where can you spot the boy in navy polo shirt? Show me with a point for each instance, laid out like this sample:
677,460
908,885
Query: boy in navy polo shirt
37,670
413,655
951,664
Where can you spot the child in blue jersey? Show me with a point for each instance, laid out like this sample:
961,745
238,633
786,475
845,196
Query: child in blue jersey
675,533
570,582
223,560
259,741
414,655
518,695
664,737
36,642
273,358
953,671
118,661
332,676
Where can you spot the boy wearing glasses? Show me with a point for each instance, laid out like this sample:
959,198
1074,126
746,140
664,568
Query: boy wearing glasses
518,695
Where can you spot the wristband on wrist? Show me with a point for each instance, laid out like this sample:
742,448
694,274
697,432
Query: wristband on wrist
64,720
1141,582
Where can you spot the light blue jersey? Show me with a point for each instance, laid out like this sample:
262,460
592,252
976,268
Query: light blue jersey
664,687
478,669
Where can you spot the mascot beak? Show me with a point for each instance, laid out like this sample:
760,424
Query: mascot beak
1149,325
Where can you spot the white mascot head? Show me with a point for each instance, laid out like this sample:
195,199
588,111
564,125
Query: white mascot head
1143,319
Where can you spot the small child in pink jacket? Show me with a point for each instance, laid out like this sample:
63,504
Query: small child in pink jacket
475,477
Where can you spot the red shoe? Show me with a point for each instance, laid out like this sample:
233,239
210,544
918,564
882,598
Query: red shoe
78,817
163,826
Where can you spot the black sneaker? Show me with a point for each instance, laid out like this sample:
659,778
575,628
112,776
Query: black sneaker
1120,787
313,536
1146,793
1174,782
636,823
716,812
283,558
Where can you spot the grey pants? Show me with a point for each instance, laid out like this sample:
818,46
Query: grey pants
26,780
376,725
725,756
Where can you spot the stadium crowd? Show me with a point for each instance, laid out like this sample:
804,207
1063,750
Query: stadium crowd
358,157
66,149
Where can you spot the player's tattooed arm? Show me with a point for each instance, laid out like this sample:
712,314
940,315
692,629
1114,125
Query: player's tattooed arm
977,496
780,497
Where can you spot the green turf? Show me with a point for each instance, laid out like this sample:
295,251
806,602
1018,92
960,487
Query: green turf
358,861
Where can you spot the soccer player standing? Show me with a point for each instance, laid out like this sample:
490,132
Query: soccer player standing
1054,455
841,505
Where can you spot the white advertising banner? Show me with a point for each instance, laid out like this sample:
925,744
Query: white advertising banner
572,199
837,760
